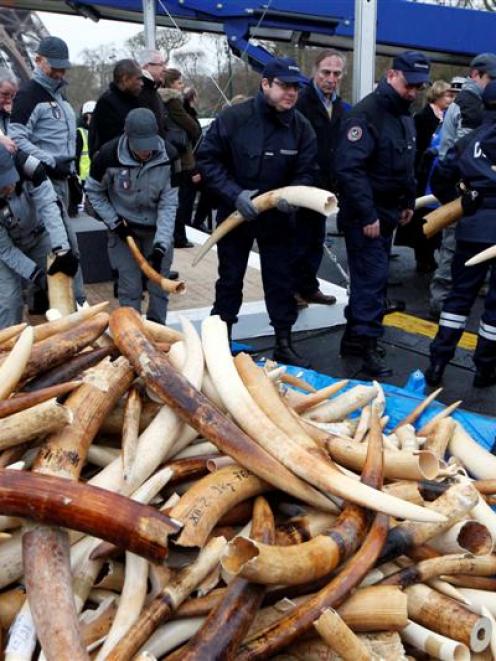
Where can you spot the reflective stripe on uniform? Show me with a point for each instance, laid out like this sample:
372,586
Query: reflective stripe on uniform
451,320
487,331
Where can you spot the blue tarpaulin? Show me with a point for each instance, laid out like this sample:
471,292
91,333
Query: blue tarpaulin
401,401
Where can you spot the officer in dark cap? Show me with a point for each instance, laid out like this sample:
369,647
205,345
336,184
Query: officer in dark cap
374,166
254,147
475,232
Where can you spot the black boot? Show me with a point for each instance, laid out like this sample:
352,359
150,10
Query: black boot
485,363
434,373
284,352
373,363
354,345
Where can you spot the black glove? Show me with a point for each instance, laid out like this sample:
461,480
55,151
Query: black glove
156,257
37,277
471,201
245,206
285,207
62,168
32,168
64,262
123,230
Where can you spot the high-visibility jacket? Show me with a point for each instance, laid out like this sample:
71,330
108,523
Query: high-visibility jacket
84,159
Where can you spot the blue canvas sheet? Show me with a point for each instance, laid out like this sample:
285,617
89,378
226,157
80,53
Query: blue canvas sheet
401,401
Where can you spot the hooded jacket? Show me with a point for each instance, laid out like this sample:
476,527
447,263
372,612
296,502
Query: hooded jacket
43,122
120,187
177,116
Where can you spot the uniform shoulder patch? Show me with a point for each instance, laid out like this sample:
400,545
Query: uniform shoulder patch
354,133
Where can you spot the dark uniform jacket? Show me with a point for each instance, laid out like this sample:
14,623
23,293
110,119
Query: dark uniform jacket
109,116
374,162
327,130
252,146
477,167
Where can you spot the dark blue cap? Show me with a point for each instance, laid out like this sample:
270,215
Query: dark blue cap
284,69
489,94
414,66
142,130
485,63
56,52
8,171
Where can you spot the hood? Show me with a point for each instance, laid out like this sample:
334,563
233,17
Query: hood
167,94
471,86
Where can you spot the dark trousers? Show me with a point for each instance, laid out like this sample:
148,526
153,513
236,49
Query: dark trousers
186,200
467,281
274,248
368,264
308,250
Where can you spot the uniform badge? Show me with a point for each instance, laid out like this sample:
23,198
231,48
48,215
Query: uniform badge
354,134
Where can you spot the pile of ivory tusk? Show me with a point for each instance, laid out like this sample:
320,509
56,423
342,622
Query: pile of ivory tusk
162,499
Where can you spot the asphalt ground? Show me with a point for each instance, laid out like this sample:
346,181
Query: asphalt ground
406,339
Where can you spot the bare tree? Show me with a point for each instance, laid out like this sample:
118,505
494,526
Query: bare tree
167,40
101,61
83,85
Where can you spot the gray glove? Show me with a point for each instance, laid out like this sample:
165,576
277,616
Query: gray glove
285,207
245,206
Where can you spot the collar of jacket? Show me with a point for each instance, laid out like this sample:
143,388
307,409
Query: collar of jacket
126,157
471,86
322,97
167,94
283,117
51,85
391,100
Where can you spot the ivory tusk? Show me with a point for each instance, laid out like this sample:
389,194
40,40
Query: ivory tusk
292,380
302,528
169,636
25,401
95,624
439,438
210,498
442,217
455,503
197,449
425,201
418,410
448,617
227,624
10,604
60,291
22,636
340,637
446,564
167,285
310,466
36,421
485,515
315,398
13,366
307,197
405,489
342,405
483,256
160,333
58,633
161,608
102,456
478,461
434,644
465,536
8,336
407,438
431,425
475,582
397,465
197,410
130,431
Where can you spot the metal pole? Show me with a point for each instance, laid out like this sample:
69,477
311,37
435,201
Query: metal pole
149,23
364,48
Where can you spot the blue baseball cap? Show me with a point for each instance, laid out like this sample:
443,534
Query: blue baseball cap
485,63
414,66
284,69
141,129
8,171
56,52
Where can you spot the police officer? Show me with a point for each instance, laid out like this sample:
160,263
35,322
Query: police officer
256,146
321,104
31,227
130,189
375,172
475,232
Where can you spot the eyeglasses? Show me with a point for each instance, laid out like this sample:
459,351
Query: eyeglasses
286,86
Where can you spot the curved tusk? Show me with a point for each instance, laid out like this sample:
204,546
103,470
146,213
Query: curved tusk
465,536
13,366
454,503
434,644
315,398
425,201
478,461
60,291
197,411
442,217
58,633
25,401
445,413
308,197
36,421
447,617
483,256
167,285
210,498
418,410
439,438
310,466
342,405
340,637
8,336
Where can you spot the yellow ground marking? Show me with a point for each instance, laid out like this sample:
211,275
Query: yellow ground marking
411,324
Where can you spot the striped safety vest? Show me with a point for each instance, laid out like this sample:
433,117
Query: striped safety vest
84,160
